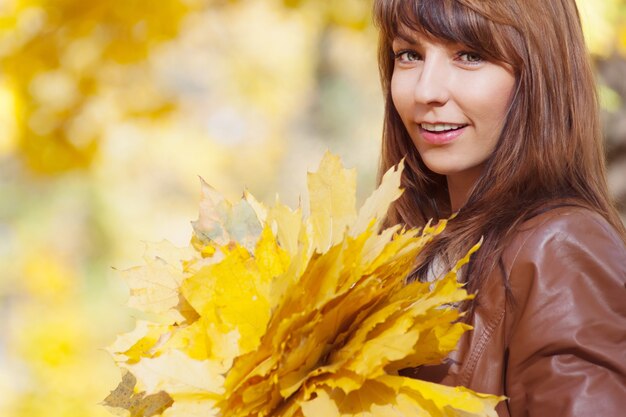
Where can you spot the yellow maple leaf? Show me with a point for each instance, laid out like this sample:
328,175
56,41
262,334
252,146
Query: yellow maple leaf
288,225
178,375
154,288
375,207
332,202
295,316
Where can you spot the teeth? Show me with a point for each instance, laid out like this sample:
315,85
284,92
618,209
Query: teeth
442,127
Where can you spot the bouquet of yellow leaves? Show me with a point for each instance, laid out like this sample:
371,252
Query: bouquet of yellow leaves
272,313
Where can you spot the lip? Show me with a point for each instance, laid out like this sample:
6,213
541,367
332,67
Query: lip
441,138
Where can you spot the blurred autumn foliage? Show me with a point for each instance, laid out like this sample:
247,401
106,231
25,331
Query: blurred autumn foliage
69,64
109,110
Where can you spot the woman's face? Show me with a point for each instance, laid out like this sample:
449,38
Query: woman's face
452,102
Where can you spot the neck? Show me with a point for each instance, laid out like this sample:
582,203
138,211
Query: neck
460,187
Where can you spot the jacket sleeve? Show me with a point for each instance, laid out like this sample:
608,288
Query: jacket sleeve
567,338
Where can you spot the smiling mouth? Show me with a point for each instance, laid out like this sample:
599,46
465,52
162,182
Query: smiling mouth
441,127
441,133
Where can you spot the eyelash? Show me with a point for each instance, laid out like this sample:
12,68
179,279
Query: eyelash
473,54
478,59
398,55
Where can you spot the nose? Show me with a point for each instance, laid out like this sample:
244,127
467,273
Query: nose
431,87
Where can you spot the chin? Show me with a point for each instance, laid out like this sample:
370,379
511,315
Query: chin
443,169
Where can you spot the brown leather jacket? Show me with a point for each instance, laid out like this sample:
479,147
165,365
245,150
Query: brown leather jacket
559,349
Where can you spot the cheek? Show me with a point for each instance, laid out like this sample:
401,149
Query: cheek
399,96
492,101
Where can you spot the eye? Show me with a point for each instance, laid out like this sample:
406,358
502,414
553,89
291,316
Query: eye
407,56
470,57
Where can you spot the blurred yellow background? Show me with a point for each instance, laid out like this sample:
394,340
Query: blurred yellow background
109,112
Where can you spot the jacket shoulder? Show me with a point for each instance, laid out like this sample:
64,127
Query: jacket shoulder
563,228
566,269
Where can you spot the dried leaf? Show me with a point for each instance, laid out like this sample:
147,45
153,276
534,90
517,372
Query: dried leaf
221,222
138,404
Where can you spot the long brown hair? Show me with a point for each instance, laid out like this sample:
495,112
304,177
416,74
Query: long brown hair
550,149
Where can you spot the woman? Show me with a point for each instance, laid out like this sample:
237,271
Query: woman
493,105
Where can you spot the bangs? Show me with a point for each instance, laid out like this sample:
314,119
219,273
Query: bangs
448,20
